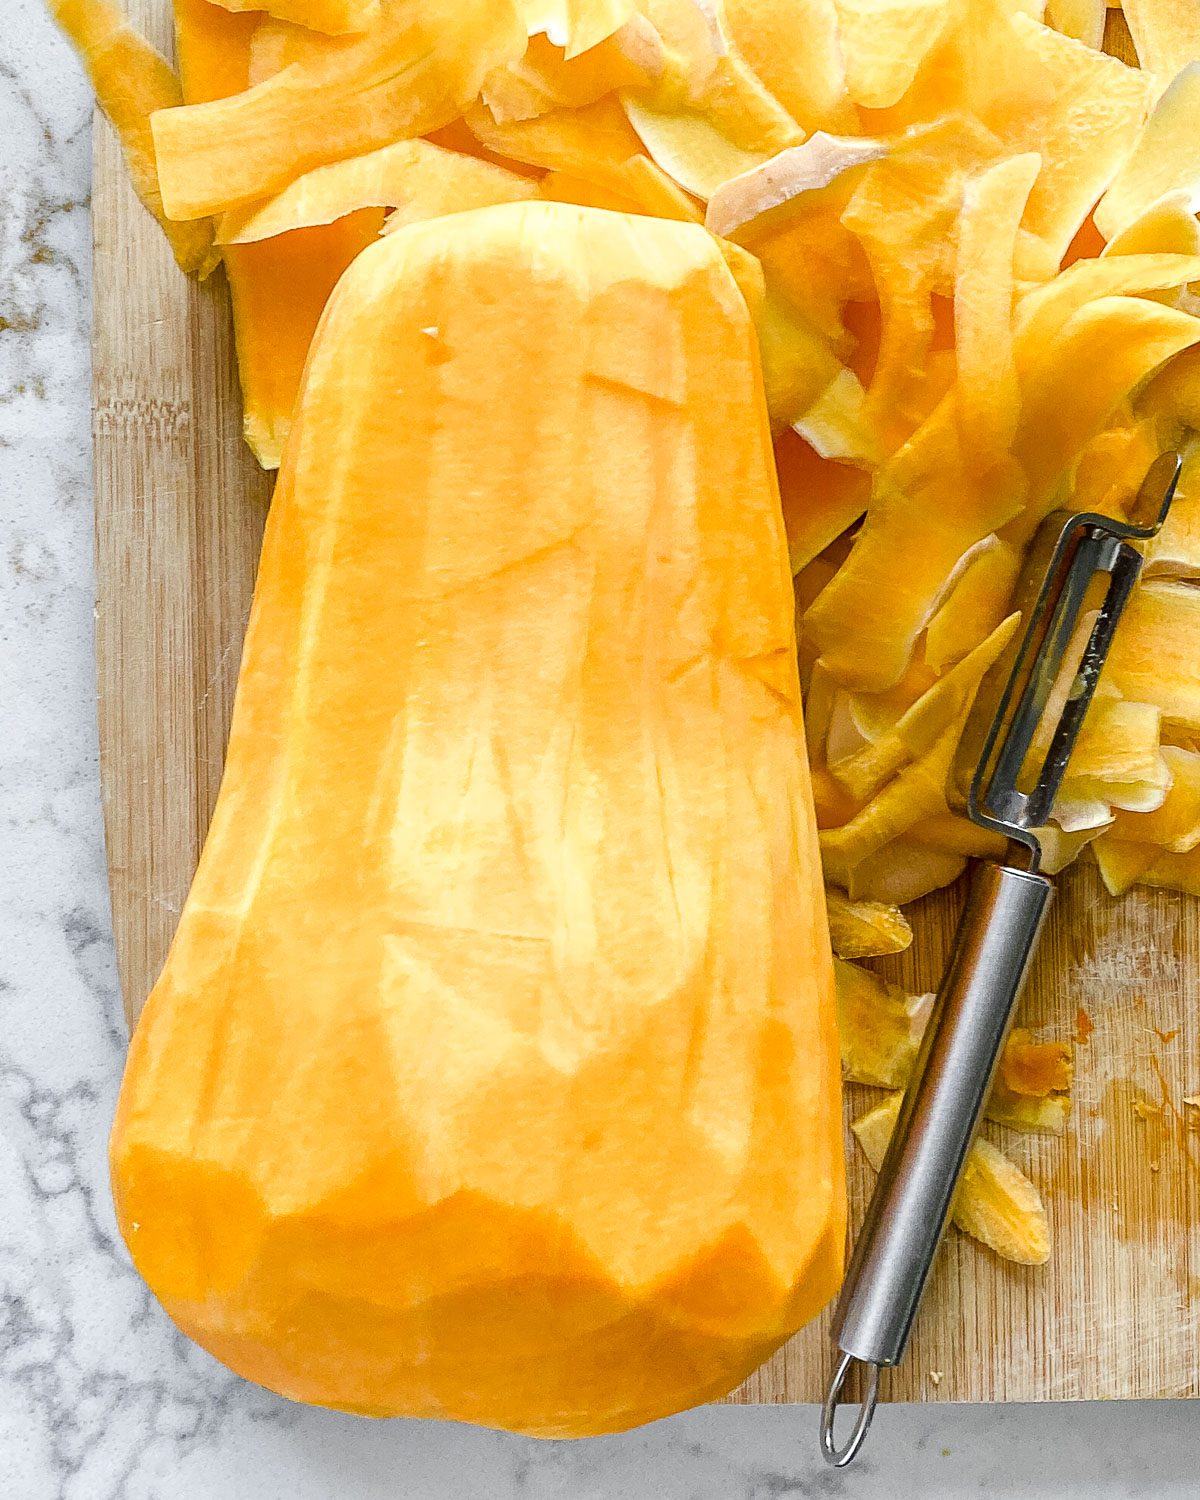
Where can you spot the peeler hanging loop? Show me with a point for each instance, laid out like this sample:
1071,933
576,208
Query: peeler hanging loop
840,1457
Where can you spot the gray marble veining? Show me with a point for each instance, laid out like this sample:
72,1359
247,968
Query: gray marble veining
100,1399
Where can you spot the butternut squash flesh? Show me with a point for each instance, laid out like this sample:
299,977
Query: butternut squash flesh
493,1072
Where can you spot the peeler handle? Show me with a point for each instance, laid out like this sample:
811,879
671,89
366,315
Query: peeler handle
951,1081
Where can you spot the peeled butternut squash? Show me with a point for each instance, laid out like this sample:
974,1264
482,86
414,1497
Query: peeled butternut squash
493,1072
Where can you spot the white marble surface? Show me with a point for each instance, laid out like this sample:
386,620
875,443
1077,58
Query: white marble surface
99,1398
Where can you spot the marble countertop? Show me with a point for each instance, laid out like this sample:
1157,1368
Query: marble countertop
99,1398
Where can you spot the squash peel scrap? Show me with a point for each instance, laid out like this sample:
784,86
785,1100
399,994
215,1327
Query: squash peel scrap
711,118
788,183
1173,826
976,603
917,791
987,393
865,929
1162,841
545,78
927,512
1163,871
1047,1115
788,212
1103,351
919,727
1154,659
794,48
904,871
879,1027
904,213
1117,763
1165,226
132,81
885,42
1109,471
1166,33
417,177
1166,158
278,289
334,17
1035,1069
1080,110
575,26
413,71
1081,19
593,142
880,1030
1174,393
876,714
276,44
996,1203
837,426
690,148
1045,314
820,500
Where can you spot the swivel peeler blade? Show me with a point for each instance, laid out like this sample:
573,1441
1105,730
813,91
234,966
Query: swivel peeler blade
1081,569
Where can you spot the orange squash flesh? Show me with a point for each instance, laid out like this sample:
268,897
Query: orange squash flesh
279,288
212,47
493,1073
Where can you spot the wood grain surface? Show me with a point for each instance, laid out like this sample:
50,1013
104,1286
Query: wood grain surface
179,512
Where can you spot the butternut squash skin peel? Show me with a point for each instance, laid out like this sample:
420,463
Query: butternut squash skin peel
493,1073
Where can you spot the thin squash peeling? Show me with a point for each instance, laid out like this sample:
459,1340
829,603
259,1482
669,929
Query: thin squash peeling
133,82
332,16
414,70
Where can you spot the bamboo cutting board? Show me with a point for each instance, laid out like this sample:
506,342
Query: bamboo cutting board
179,512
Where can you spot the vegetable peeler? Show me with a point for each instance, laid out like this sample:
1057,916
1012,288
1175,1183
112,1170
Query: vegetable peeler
1008,769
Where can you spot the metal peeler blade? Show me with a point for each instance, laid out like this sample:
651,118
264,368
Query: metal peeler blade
1008,772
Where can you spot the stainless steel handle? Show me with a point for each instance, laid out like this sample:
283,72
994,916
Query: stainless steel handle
915,1192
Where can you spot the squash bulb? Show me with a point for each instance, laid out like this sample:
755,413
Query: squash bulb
493,1071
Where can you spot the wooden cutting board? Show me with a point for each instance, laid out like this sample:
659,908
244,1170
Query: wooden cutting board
179,512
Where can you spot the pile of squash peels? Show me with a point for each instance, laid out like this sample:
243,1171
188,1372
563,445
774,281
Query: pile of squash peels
968,239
